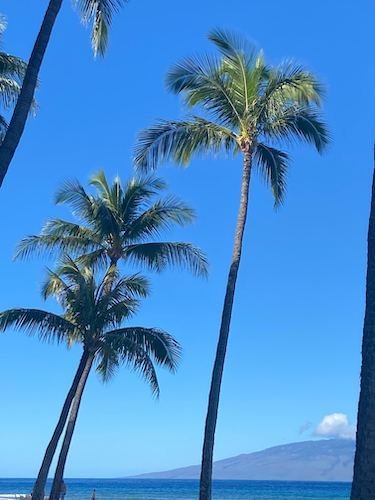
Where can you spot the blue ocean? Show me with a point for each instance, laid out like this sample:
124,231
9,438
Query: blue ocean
137,489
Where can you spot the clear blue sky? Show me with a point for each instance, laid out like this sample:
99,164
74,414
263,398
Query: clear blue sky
294,352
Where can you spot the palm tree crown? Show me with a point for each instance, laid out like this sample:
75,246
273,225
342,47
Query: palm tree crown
12,71
244,105
119,223
93,315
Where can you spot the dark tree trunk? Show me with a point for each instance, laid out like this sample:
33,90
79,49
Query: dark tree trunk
217,373
59,474
363,487
25,99
40,483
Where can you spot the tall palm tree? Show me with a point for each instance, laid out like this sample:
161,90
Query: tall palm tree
118,223
12,71
97,12
245,107
363,487
115,223
93,316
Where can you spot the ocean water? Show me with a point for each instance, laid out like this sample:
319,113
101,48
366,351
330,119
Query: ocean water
137,489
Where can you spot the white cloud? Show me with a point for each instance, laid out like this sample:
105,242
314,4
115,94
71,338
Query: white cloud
335,425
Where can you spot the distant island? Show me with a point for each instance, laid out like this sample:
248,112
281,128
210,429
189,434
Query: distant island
323,460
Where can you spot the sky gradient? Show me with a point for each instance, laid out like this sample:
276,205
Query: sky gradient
294,350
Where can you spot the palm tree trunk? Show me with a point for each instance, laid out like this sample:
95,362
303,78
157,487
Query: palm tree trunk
217,373
40,483
59,474
363,487
25,99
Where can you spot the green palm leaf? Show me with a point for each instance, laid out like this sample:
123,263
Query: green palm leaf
298,122
12,72
100,13
9,91
242,65
138,348
12,67
202,82
273,165
48,326
160,216
58,235
157,256
291,83
180,140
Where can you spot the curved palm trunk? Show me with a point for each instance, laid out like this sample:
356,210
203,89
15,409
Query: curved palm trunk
217,373
57,480
40,483
363,487
25,99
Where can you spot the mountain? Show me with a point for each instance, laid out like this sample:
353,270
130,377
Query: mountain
324,460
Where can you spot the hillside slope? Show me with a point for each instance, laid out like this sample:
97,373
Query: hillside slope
324,460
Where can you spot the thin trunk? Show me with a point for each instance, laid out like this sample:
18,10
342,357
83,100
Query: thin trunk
25,99
59,474
217,373
363,487
40,483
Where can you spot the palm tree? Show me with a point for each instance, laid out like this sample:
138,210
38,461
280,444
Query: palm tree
97,12
12,71
93,315
363,487
118,223
246,107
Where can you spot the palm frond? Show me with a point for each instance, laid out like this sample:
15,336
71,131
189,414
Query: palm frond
3,24
58,235
117,207
232,45
291,84
122,289
107,221
137,195
60,227
9,91
242,64
48,326
161,215
179,141
117,299
157,256
3,127
70,269
202,82
100,12
119,312
133,357
73,194
273,165
108,361
55,286
138,348
160,345
74,287
96,259
99,181
12,67
298,122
